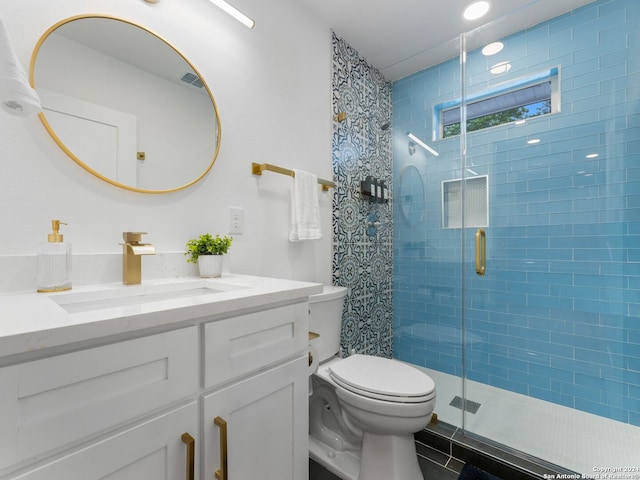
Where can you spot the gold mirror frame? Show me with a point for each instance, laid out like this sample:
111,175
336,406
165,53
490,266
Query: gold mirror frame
66,149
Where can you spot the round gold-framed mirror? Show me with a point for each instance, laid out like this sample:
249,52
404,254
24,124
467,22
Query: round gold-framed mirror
125,104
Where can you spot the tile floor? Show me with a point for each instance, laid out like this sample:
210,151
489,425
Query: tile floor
430,470
514,437
443,451
575,440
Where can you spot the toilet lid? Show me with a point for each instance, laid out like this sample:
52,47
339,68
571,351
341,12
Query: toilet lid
382,378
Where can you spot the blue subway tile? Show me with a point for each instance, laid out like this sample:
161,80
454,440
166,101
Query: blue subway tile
551,373
599,358
550,396
529,379
590,406
507,384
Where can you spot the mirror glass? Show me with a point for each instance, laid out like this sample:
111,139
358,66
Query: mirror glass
125,104
412,197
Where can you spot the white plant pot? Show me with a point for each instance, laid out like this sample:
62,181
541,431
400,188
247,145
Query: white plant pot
210,265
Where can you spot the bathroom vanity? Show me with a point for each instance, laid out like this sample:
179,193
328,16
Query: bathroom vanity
187,378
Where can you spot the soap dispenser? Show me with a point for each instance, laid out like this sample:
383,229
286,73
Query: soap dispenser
54,262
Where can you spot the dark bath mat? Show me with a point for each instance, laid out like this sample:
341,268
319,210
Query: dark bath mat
469,472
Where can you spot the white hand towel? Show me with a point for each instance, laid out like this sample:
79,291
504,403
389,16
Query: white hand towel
305,207
16,95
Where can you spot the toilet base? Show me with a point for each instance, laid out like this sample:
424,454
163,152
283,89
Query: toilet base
345,464
399,461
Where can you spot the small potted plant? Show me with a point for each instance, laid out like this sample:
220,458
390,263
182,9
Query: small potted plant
207,252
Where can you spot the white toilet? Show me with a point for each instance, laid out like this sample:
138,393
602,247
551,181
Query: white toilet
363,410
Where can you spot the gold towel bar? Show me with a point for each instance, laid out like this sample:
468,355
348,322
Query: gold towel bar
258,168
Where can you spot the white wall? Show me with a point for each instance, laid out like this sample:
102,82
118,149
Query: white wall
272,87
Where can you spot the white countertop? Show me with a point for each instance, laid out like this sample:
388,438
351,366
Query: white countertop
31,321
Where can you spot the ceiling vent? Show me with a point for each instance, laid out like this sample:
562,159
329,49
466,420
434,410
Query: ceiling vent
192,79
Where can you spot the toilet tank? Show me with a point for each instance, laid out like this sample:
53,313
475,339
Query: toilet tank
325,319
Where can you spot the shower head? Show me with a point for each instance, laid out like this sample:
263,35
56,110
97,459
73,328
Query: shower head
382,124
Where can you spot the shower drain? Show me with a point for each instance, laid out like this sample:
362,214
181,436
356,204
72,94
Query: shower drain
469,405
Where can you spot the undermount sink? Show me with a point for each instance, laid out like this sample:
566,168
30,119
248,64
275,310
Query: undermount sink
122,296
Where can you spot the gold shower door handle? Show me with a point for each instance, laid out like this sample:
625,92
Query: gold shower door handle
222,473
190,442
481,252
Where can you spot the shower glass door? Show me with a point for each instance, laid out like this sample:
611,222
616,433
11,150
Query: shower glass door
550,186
428,258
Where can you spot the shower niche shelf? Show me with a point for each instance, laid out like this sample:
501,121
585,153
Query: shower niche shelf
476,202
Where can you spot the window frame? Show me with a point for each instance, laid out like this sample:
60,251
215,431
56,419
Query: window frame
551,75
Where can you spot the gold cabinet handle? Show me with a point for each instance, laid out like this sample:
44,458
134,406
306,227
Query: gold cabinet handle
190,442
481,252
222,473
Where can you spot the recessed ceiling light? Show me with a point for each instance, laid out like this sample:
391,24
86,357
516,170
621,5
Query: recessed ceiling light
592,155
476,10
502,67
533,141
492,49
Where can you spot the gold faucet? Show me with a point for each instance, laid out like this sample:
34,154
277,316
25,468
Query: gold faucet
132,251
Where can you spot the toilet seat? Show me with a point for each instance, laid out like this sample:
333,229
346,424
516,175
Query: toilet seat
382,379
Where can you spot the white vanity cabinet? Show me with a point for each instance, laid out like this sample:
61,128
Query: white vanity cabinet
261,423
143,405
257,426
155,449
62,403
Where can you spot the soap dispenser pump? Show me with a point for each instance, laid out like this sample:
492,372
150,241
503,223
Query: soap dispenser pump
54,262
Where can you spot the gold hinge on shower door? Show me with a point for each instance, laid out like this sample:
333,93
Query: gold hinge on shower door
481,252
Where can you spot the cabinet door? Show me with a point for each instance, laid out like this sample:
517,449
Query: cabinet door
151,450
266,419
59,402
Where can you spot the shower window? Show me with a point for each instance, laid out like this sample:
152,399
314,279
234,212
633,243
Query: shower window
515,101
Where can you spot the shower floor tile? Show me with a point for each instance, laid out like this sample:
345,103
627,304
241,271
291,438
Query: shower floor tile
572,439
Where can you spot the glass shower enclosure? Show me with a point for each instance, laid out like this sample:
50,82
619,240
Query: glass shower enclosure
517,236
